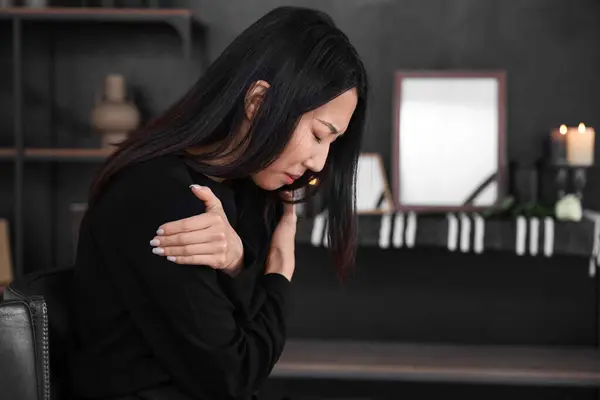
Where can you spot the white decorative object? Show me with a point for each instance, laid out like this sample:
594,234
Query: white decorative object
385,229
479,240
568,208
411,229
398,233
449,140
316,236
373,195
548,236
534,234
452,231
520,245
465,232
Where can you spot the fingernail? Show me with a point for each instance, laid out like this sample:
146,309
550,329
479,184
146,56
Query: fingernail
197,187
154,242
171,258
160,232
158,250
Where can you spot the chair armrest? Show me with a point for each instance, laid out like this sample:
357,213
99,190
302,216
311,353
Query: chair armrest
24,358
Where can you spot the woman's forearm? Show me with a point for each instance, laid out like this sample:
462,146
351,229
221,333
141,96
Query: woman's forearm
281,262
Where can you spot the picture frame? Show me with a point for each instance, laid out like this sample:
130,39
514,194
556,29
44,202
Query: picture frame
449,140
373,194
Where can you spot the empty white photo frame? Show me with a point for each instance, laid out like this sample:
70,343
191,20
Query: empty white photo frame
449,140
373,194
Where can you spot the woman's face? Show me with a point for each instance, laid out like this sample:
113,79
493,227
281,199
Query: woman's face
309,145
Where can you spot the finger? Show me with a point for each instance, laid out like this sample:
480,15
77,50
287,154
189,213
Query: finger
289,209
208,234
195,223
193,249
208,260
211,202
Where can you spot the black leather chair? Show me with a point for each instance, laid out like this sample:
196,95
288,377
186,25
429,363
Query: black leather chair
35,315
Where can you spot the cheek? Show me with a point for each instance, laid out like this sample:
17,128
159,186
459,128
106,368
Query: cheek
300,146
297,151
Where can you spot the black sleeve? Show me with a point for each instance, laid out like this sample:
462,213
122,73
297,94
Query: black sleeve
193,328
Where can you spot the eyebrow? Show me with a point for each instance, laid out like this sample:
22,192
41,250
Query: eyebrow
331,127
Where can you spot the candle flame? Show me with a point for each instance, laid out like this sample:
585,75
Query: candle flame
581,128
313,181
563,129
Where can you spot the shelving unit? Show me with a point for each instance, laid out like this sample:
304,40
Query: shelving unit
181,20
59,155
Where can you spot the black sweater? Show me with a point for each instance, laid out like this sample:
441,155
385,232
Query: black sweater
143,322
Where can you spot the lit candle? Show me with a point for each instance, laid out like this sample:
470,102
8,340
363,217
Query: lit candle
580,146
559,146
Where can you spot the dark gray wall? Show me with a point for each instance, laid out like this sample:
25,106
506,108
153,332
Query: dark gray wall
551,51
549,48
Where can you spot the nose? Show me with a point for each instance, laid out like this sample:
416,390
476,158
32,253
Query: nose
316,162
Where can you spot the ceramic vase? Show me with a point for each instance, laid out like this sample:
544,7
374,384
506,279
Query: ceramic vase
114,116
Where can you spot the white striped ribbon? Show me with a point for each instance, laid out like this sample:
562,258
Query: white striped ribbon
465,232
521,233
411,229
548,236
398,234
452,231
534,235
479,233
316,236
385,230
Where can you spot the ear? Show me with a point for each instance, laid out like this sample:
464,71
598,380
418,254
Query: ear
254,97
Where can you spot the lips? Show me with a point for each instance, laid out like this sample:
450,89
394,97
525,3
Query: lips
291,178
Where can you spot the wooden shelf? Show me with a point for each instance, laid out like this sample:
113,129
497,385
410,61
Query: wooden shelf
328,359
179,19
51,154
94,14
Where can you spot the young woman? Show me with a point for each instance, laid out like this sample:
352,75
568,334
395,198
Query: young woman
186,251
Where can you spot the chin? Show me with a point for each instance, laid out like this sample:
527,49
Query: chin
267,184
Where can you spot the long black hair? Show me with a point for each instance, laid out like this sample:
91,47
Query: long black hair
307,62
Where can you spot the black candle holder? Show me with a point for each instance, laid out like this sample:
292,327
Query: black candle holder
570,179
579,180
562,180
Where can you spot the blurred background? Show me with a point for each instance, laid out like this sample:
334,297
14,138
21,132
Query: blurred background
64,64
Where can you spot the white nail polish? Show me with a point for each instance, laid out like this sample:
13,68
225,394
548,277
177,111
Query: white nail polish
154,242
158,250
171,258
160,231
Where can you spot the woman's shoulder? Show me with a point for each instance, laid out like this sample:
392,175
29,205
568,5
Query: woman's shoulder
167,172
155,185
167,168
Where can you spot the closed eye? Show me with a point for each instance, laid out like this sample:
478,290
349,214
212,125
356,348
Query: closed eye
318,139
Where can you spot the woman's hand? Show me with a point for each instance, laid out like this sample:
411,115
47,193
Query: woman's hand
281,258
204,239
